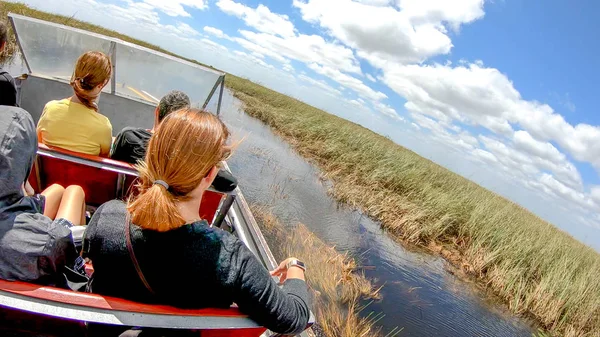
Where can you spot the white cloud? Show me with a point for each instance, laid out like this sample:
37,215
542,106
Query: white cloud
277,34
411,34
253,47
175,7
260,18
348,81
186,30
214,31
484,96
468,138
387,110
518,159
595,194
320,84
253,59
524,141
307,49
370,77
428,123
454,13
485,156
213,44
376,2
566,192
470,95
288,67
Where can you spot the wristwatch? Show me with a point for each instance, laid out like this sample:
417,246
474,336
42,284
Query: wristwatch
296,263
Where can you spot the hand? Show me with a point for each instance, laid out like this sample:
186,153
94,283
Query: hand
282,270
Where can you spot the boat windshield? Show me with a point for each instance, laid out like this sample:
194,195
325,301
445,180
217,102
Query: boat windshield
51,50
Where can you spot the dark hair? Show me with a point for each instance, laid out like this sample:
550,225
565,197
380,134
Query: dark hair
170,102
3,33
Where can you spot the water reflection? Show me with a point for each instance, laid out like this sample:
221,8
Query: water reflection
419,294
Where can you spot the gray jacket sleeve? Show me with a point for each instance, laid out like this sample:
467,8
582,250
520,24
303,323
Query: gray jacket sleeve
60,250
284,310
35,249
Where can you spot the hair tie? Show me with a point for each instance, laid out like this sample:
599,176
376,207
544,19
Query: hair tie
162,183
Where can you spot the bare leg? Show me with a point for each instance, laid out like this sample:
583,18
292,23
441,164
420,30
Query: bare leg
83,212
72,205
53,194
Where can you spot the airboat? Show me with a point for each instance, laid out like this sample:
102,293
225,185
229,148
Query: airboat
140,77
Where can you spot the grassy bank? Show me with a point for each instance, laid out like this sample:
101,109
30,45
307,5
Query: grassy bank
336,285
534,267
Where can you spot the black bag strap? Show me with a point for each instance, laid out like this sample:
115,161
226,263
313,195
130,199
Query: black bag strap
132,254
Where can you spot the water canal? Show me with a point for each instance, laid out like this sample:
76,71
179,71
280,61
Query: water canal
419,294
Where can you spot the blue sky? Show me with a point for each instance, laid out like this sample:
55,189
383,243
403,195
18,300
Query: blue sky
501,92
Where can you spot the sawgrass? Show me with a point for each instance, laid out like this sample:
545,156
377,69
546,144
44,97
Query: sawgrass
337,287
537,269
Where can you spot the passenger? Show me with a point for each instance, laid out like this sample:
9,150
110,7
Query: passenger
33,246
74,123
8,90
131,143
174,257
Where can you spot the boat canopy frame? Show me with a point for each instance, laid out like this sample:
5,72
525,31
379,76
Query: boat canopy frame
200,98
233,210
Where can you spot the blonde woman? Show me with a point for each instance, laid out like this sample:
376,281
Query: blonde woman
74,123
155,248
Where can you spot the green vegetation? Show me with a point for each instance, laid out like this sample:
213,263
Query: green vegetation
336,286
537,269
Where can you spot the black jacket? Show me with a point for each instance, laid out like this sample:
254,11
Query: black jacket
193,266
8,90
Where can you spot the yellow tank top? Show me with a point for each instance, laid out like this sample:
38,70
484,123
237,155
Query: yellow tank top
75,127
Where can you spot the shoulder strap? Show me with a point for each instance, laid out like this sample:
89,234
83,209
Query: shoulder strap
132,254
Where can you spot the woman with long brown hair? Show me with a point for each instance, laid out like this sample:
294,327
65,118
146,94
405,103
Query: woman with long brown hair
74,123
180,259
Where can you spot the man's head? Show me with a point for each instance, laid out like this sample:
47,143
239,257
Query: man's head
170,102
3,35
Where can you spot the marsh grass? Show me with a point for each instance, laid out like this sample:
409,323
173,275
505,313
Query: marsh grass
535,268
337,286
11,48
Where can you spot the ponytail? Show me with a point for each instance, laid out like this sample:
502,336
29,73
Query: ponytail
187,144
80,87
91,70
154,206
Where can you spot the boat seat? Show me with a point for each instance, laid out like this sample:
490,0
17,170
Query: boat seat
74,308
102,179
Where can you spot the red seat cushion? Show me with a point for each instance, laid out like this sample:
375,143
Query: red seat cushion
100,180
